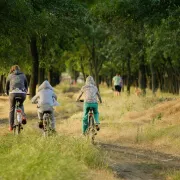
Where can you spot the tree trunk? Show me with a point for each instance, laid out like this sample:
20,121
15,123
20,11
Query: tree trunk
128,73
41,75
82,68
142,75
35,66
1,84
50,72
95,65
153,78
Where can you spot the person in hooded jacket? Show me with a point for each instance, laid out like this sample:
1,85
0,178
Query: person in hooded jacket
16,86
91,93
46,99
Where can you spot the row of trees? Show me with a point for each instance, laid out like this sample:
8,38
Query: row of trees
137,38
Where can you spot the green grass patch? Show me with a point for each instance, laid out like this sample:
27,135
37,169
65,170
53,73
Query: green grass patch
30,156
153,133
174,175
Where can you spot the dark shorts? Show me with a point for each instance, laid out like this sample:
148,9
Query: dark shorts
117,88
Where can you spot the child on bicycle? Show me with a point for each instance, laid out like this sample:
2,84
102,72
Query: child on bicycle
46,99
91,93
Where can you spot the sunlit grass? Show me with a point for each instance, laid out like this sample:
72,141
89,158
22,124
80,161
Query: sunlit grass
173,175
141,120
31,156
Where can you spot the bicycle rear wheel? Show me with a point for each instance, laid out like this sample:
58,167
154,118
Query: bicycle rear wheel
46,124
91,129
16,127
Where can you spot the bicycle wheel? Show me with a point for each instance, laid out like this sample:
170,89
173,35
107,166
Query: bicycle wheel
46,124
18,128
17,124
91,129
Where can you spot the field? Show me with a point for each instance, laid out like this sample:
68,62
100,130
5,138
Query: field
139,138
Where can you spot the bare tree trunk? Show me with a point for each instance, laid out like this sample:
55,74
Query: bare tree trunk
41,75
153,77
142,76
82,68
1,84
50,72
35,66
129,73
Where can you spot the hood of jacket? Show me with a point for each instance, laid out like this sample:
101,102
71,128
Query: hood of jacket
90,80
45,85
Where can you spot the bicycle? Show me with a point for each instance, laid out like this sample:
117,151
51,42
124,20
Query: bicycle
91,131
17,127
47,130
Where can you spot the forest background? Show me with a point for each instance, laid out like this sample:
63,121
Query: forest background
140,39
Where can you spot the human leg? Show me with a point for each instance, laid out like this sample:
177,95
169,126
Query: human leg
85,117
40,116
11,111
23,97
53,120
96,115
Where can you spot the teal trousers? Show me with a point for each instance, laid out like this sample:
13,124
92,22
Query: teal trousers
86,108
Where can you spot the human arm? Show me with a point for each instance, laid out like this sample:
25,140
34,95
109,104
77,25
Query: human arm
8,85
113,81
25,83
34,100
54,96
79,96
99,97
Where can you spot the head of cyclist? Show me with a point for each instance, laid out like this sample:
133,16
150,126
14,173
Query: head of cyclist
15,69
90,81
45,85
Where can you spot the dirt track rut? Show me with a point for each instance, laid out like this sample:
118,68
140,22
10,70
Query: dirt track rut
135,164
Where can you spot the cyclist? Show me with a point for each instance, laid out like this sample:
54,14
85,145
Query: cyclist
16,86
46,99
90,101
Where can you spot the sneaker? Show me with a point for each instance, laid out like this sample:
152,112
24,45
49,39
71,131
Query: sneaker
10,128
83,134
41,124
53,131
97,127
24,120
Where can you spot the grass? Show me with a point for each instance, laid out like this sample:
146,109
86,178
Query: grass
31,156
174,175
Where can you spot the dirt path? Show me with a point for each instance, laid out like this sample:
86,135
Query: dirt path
134,164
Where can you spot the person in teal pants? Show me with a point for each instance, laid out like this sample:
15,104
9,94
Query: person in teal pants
91,94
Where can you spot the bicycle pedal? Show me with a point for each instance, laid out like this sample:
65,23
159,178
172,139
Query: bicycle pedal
21,127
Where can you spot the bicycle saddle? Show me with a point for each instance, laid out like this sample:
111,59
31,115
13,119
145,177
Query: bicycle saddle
17,98
48,112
